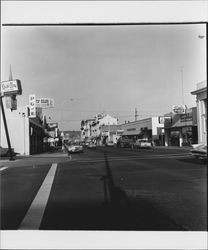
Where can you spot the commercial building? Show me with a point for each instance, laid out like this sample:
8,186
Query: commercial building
91,128
201,102
18,128
149,128
26,134
110,133
181,129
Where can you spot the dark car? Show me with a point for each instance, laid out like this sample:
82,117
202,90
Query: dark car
199,152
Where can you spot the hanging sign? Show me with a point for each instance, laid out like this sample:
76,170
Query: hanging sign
32,106
12,87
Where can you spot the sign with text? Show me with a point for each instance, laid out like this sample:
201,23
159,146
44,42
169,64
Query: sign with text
163,119
179,109
32,106
45,103
12,87
53,125
186,117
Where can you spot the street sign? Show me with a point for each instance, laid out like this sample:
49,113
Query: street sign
179,109
32,106
12,87
45,103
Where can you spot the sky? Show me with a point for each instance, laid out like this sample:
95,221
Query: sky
105,69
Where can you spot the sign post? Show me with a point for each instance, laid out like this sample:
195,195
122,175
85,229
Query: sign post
6,131
9,88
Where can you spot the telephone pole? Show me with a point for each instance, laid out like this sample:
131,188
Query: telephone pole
136,114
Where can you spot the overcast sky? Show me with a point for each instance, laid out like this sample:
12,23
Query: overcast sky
111,69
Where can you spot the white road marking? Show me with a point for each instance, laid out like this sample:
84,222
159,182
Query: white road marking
3,168
33,217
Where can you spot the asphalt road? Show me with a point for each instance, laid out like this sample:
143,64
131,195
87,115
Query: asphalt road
159,189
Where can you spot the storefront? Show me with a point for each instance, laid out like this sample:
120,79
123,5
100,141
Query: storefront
181,129
37,135
201,101
149,128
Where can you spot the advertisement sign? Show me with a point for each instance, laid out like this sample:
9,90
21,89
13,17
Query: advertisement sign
53,125
179,109
45,103
186,117
12,87
32,106
163,119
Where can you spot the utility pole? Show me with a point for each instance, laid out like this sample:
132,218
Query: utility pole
136,114
181,70
6,130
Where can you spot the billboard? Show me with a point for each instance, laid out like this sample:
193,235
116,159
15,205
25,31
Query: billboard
45,103
179,109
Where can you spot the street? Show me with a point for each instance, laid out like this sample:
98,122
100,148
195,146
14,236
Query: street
160,189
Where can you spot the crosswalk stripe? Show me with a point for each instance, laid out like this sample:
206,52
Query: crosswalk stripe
33,217
3,168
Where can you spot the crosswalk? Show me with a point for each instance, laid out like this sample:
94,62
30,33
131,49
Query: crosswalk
34,215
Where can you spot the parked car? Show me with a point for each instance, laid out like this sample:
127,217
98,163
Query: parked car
124,142
199,151
5,151
75,148
142,143
109,144
91,145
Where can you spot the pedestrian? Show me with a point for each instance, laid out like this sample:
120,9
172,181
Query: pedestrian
69,154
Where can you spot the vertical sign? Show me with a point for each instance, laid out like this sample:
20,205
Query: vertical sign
32,106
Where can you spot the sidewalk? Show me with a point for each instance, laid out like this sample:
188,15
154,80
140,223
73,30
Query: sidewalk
32,160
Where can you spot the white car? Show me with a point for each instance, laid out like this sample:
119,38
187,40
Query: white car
199,151
142,143
75,148
91,145
109,144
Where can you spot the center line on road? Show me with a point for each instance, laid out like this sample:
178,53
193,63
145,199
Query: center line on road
34,215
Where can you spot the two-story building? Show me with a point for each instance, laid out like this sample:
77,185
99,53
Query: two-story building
149,128
201,101
181,129
91,128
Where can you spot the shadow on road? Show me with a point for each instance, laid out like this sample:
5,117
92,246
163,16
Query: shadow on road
117,211
193,161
